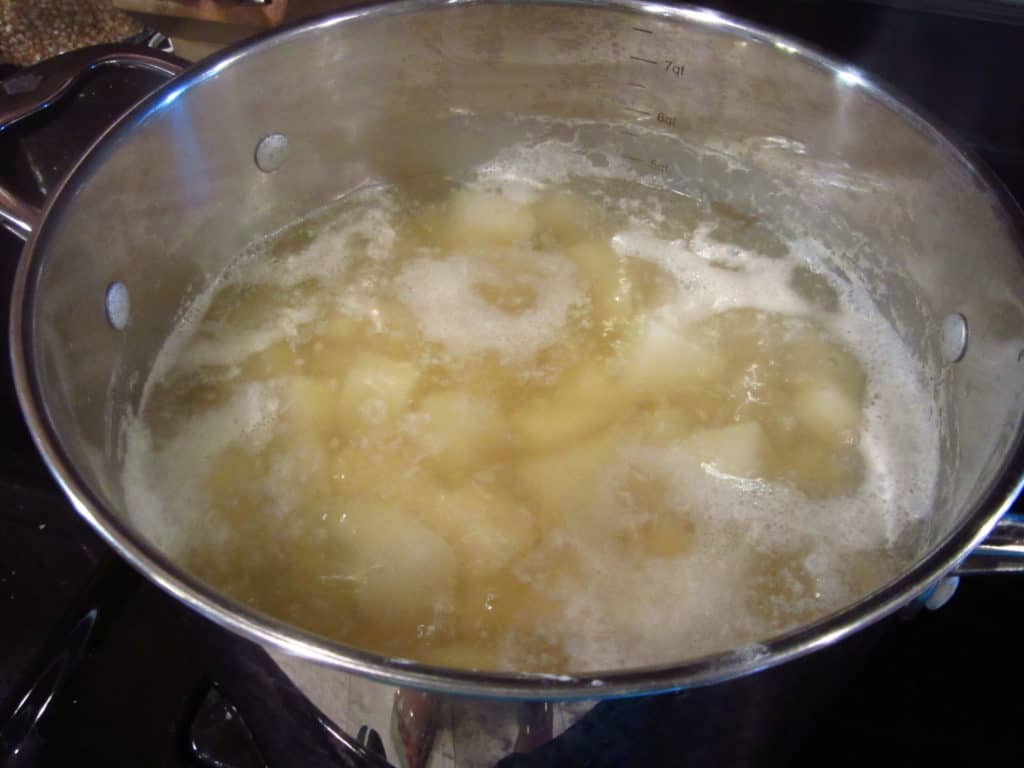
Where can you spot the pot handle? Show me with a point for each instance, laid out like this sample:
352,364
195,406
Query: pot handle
1001,552
35,88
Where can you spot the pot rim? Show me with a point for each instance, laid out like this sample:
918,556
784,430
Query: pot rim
268,631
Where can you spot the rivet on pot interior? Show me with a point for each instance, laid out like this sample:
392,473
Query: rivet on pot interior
271,152
118,306
954,337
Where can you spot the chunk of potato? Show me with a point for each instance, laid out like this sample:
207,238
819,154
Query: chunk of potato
459,430
403,572
297,471
824,473
373,466
828,413
480,219
310,405
411,490
486,532
505,602
563,483
586,402
735,450
665,358
376,389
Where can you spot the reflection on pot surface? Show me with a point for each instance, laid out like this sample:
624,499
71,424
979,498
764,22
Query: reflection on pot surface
543,421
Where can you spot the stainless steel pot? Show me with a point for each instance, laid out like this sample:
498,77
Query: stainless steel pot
700,103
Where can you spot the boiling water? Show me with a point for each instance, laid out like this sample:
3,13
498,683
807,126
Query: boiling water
534,426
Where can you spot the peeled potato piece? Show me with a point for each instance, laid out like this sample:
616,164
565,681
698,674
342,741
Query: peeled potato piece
587,401
828,413
373,464
403,572
459,430
564,482
486,532
665,357
376,388
734,450
310,405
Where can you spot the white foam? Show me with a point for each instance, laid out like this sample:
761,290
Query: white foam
523,167
444,295
366,229
705,286
164,483
233,346
622,610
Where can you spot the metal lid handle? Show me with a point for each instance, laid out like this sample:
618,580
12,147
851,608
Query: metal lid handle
33,89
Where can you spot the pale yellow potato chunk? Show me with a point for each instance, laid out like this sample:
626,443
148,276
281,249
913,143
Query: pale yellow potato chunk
735,450
564,482
403,572
411,489
309,420
376,388
480,219
587,401
486,532
828,413
311,405
371,464
459,430
665,358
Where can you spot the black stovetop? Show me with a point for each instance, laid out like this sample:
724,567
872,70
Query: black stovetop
124,659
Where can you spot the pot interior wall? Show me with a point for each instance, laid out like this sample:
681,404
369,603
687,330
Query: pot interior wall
723,115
